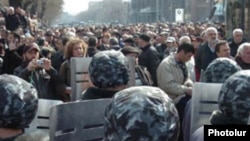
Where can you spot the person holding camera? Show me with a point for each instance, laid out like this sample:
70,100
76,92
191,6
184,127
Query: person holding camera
40,73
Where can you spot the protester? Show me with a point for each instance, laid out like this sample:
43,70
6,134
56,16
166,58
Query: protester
149,57
142,75
243,56
40,73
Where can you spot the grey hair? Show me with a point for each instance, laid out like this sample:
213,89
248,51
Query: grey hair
211,28
241,48
237,30
11,8
184,39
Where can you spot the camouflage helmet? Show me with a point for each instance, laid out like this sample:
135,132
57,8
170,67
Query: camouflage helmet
18,102
234,98
141,113
220,69
108,69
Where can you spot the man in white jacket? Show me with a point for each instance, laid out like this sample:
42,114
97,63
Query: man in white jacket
174,79
172,73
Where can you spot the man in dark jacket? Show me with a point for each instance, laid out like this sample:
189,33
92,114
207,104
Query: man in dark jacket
162,46
92,49
236,41
243,56
13,56
149,57
40,73
58,58
206,53
142,76
12,21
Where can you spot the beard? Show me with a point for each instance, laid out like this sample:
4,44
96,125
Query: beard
26,59
213,40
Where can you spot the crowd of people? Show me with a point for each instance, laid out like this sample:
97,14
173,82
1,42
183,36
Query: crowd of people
169,58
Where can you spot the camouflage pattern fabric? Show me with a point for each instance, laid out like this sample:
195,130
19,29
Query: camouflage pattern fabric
18,102
220,69
141,113
234,96
108,69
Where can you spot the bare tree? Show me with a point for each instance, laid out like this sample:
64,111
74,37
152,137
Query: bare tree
44,9
53,9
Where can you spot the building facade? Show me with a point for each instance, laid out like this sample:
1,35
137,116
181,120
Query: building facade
164,10
150,11
197,10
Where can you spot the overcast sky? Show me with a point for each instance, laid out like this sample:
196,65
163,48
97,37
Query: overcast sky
76,6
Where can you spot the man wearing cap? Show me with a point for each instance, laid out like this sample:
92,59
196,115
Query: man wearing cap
149,57
142,76
171,46
40,73
162,46
129,42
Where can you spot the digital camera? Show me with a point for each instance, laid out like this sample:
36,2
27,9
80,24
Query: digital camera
39,62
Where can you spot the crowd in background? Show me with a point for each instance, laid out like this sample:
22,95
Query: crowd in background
170,56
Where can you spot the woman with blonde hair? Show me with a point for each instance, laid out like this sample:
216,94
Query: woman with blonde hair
75,47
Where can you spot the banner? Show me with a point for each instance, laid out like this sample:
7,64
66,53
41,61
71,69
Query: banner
179,15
